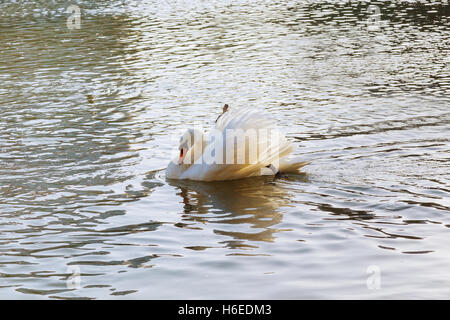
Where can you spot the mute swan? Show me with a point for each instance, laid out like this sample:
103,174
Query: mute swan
243,143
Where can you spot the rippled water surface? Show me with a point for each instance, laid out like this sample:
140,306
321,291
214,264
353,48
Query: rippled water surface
89,117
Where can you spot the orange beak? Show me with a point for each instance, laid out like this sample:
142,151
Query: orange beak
182,155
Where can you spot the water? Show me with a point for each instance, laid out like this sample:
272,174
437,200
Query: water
89,118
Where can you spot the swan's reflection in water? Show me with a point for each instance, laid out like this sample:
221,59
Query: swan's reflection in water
246,209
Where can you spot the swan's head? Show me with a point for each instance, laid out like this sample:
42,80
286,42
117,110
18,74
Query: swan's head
187,142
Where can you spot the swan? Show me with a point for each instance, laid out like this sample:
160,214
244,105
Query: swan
242,143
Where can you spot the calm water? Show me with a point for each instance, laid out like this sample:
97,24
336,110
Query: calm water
89,118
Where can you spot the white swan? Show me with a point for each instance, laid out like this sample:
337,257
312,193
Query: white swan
243,143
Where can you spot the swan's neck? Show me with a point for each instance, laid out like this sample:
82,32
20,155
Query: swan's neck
196,151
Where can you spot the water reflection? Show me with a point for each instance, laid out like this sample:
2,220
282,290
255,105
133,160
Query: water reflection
253,202
82,144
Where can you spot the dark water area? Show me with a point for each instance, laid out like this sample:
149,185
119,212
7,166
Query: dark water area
89,119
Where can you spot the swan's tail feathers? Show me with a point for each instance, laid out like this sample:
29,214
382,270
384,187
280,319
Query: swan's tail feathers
292,165
271,152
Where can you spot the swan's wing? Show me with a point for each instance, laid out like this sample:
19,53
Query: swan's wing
244,119
271,146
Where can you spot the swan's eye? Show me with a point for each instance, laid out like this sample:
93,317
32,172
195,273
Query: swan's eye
182,155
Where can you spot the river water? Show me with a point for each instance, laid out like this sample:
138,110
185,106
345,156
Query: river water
89,118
